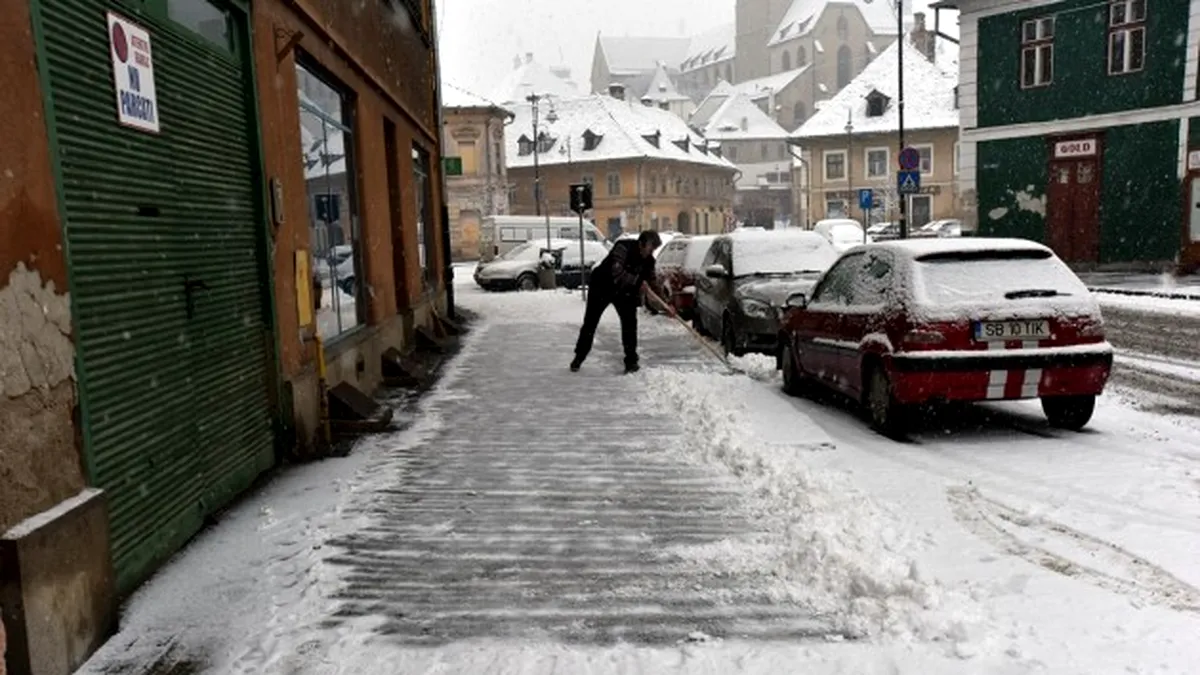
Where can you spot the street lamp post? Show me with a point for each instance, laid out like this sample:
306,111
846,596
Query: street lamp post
547,278
849,163
901,38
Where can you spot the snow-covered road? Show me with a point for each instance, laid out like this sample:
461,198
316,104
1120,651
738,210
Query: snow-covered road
990,543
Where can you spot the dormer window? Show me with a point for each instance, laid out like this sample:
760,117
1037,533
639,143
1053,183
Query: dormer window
524,146
591,140
876,104
545,142
654,138
684,145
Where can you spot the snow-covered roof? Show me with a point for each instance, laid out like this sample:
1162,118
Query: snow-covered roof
454,96
739,118
712,46
532,77
622,129
711,104
803,15
629,55
762,86
928,97
946,56
661,89
755,176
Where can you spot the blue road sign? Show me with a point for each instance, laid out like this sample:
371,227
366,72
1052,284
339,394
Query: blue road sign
866,199
908,182
910,159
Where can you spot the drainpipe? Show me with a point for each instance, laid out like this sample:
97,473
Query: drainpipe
448,273
807,179
488,178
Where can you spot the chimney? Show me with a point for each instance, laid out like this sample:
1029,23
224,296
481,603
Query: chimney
617,91
923,38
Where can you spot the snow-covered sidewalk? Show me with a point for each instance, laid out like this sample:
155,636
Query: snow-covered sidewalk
1144,285
684,520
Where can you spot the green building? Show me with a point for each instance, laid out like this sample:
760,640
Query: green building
1080,126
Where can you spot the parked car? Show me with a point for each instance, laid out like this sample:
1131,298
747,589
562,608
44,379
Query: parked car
747,278
518,268
940,228
843,233
904,323
677,267
666,235
884,231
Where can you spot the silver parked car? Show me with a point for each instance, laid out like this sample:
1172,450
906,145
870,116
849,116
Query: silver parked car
518,268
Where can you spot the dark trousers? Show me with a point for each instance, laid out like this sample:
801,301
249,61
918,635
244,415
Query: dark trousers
597,302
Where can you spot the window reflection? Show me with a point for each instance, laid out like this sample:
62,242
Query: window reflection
203,17
327,144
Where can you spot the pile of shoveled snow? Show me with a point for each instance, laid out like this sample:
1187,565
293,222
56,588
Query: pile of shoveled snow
831,548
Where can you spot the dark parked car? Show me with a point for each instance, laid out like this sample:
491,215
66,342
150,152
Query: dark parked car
906,323
679,263
747,279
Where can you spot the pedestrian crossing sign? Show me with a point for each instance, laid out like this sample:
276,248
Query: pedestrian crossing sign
908,182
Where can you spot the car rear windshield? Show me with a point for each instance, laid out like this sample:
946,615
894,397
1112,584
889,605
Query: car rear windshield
696,250
968,277
782,254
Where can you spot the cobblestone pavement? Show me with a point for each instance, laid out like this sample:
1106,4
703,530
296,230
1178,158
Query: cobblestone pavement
544,507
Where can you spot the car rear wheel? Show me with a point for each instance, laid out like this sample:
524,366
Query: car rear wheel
698,323
729,339
1069,412
794,383
527,282
887,416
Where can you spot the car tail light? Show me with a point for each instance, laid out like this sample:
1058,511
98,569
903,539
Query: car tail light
924,337
1092,330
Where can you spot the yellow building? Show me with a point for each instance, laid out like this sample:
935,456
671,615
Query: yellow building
474,134
647,168
839,162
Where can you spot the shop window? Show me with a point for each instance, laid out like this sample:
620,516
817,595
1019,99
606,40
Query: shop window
1126,36
205,19
836,208
1037,52
326,132
426,237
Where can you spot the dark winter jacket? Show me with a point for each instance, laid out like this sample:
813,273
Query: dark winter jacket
623,270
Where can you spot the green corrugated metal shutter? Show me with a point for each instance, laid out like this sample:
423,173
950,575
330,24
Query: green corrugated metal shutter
176,408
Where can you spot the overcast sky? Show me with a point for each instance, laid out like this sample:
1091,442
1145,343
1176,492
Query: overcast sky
479,38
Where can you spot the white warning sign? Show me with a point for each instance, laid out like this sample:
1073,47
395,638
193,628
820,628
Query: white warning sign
133,74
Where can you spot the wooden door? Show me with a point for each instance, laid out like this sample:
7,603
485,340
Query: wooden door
1073,212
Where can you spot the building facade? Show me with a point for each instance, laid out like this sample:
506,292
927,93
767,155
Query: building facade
473,133
1086,135
851,143
647,169
202,201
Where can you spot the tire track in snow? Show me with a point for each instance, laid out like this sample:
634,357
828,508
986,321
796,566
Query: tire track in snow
1017,533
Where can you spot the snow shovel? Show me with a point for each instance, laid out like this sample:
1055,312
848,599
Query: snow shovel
696,334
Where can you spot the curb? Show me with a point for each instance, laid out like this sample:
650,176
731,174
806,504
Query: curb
1147,294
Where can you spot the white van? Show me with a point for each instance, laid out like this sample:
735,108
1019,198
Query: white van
500,234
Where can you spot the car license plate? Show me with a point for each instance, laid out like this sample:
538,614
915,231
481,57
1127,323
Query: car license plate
988,331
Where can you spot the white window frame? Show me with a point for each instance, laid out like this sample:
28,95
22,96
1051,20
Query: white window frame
1039,45
887,162
825,156
845,212
1126,29
925,146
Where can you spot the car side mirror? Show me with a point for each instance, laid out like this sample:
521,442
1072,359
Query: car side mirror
797,300
716,272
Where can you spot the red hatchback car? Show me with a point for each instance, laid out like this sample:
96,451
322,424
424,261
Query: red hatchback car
905,323
677,266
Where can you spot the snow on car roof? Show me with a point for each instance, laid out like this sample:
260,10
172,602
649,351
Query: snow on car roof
917,248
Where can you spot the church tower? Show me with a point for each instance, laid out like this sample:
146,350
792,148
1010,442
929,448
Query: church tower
756,21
